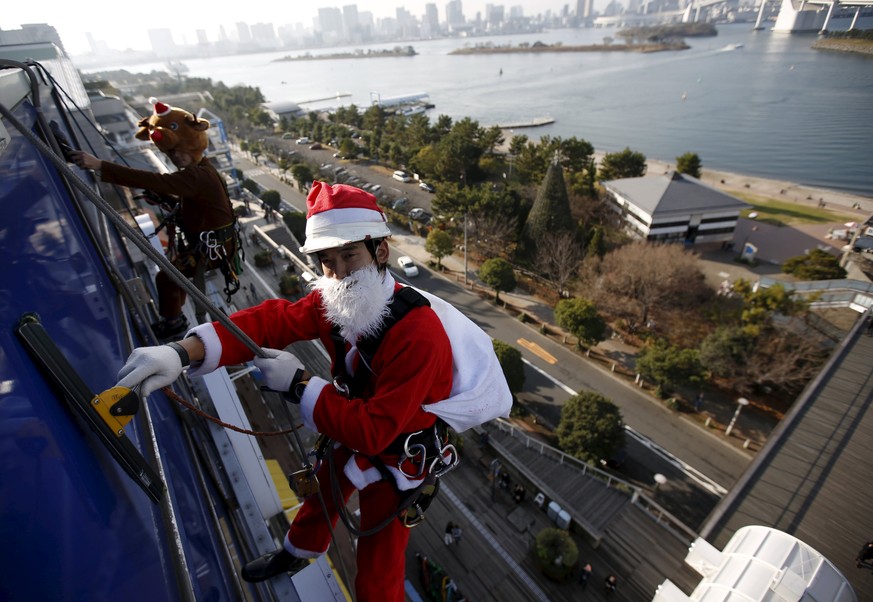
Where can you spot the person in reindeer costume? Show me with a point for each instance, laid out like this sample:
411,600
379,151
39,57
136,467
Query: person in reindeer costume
197,193
387,398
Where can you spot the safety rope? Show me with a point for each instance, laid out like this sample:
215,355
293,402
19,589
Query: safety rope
180,400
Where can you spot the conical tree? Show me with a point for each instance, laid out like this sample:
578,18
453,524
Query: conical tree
550,212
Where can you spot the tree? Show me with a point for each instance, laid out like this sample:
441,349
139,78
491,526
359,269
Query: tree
689,163
511,364
302,173
284,165
296,222
623,164
668,366
251,186
272,198
439,243
556,552
348,149
550,213
498,274
815,265
580,318
596,243
762,304
558,256
639,277
591,427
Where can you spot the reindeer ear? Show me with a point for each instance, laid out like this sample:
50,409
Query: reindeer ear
143,132
200,125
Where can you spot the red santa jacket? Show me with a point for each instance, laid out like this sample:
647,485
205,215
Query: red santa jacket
200,188
411,368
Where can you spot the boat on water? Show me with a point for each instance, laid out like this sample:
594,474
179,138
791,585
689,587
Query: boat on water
111,497
532,123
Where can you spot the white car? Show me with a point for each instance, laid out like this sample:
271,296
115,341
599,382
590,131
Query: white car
408,267
303,140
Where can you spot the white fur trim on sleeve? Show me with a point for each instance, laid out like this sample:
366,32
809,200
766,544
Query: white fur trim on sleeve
212,347
309,399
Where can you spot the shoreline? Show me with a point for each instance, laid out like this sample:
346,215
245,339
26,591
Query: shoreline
731,182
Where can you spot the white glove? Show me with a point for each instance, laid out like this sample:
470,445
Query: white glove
278,369
152,367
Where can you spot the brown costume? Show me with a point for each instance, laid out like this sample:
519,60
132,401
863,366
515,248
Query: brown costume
204,205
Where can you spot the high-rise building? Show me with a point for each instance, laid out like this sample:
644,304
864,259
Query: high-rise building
350,20
330,21
264,35
243,33
430,23
202,39
584,10
161,40
494,15
454,14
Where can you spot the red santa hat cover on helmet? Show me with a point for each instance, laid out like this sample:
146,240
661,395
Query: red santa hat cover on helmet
340,214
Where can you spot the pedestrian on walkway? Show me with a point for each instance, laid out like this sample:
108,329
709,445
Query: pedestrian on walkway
609,584
698,402
584,575
449,538
456,534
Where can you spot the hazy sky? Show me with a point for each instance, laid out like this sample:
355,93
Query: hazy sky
126,27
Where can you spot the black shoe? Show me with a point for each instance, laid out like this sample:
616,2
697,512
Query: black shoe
272,564
169,329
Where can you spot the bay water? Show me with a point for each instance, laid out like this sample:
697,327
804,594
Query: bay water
753,102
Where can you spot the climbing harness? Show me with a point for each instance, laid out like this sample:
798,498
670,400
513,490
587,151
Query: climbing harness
424,454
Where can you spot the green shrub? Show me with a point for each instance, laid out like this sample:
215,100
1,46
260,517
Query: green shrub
556,553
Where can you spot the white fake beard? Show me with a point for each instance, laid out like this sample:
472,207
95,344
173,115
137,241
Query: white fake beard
357,303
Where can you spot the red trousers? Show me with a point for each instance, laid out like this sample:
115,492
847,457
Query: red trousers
381,557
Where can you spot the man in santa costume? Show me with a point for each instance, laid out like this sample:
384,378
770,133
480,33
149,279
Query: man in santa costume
205,213
411,368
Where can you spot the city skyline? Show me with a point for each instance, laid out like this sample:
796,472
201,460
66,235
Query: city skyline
74,25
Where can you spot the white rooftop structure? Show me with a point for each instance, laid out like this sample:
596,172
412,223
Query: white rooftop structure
760,564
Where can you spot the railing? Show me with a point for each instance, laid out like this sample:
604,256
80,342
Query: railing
638,496
854,294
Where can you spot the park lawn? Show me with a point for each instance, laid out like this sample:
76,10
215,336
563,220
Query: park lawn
788,213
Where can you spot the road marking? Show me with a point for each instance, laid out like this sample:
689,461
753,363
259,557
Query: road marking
537,350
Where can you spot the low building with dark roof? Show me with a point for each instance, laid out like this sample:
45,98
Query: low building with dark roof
675,207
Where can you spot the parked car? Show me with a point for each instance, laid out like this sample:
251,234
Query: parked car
400,203
402,176
316,146
303,140
406,264
376,189
420,215
426,187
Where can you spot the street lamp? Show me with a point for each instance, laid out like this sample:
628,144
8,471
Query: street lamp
465,247
659,480
741,402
